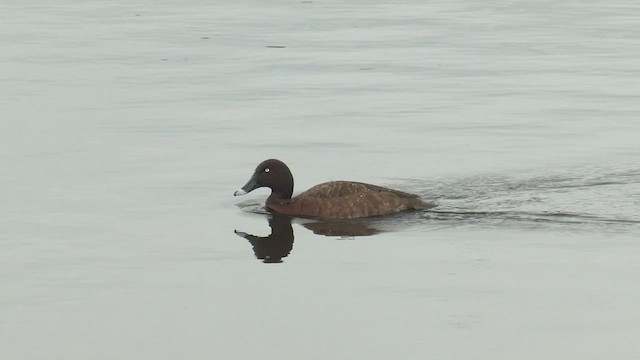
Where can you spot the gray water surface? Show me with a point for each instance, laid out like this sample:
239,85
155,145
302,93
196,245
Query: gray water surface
127,126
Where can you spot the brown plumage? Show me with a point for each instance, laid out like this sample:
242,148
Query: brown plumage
331,200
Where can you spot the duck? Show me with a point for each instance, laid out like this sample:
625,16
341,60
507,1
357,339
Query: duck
329,200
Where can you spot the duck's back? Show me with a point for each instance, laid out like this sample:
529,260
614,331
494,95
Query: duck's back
336,189
348,199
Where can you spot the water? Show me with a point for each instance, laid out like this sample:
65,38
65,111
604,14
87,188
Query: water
127,127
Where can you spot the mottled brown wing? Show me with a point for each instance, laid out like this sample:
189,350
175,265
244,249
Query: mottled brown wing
336,189
343,199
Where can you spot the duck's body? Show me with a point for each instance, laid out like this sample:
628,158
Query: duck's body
331,200
346,200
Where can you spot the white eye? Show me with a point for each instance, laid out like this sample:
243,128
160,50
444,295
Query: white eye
266,170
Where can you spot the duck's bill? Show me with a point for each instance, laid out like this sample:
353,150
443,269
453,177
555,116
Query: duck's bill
251,185
240,192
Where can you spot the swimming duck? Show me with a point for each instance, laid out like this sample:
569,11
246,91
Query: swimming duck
330,200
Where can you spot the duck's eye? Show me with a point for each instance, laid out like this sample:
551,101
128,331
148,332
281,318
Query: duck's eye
266,170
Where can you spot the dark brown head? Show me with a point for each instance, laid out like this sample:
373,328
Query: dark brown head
273,174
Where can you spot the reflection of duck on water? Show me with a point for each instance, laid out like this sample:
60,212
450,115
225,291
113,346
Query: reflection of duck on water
341,228
272,248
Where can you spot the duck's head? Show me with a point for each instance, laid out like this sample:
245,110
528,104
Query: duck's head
273,174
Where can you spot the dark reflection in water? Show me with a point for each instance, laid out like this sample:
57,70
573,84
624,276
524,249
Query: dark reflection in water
342,228
272,248
278,244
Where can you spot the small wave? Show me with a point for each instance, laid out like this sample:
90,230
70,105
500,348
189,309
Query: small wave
552,217
253,207
596,196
